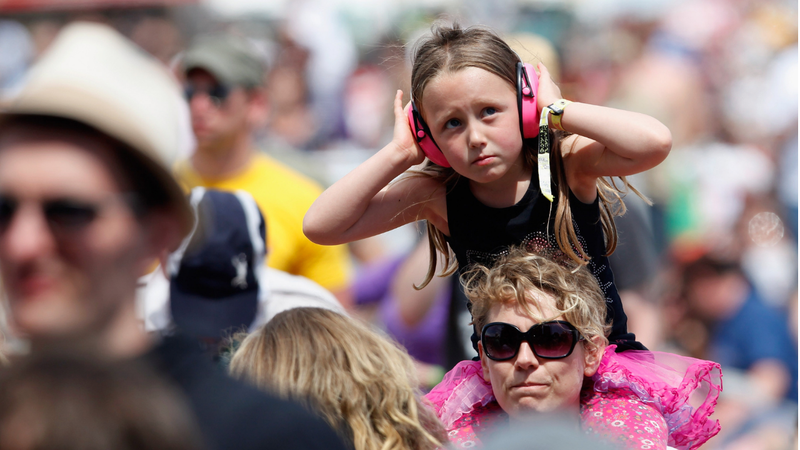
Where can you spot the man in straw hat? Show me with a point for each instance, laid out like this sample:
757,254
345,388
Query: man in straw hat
87,203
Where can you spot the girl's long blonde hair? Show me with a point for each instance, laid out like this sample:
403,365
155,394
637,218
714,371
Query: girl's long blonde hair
359,381
449,48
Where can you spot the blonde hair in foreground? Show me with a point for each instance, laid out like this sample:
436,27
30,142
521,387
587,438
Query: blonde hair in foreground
360,382
514,276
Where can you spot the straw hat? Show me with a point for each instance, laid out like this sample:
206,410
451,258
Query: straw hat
94,75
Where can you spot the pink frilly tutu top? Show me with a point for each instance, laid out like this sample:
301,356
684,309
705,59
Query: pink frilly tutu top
636,400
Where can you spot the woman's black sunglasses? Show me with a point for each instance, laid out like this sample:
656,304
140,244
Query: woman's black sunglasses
549,340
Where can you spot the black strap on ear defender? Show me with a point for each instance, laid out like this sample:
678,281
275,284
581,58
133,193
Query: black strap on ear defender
419,124
522,74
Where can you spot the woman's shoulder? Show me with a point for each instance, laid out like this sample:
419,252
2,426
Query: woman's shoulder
465,404
640,380
619,417
461,391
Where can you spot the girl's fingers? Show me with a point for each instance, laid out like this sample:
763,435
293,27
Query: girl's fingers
548,90
400,112
402,129
398,103
543,72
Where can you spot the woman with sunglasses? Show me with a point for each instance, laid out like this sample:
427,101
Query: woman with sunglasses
543,350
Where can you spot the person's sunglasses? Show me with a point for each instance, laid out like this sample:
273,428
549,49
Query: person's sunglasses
64,214
216,93
549,340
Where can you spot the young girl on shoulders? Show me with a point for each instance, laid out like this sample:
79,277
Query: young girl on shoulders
476,110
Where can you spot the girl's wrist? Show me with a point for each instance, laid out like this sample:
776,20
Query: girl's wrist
557,109
401,155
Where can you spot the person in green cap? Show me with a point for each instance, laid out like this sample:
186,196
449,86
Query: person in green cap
223,81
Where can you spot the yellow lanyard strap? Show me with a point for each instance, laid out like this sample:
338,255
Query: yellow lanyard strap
557,109
543,159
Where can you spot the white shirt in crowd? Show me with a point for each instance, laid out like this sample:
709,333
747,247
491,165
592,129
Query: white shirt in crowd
280,291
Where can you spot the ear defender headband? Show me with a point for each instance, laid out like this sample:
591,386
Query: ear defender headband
533,124
527,87
424,138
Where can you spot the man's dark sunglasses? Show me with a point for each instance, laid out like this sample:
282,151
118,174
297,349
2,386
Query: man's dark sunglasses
549,340
64,214
217,93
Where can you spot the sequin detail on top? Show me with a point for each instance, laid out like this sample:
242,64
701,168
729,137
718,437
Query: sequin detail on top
544,244
539,242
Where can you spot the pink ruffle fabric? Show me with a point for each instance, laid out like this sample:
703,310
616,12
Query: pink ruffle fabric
461,391
684,390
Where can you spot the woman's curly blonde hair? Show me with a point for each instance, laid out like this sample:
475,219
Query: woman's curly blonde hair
359,381
513,277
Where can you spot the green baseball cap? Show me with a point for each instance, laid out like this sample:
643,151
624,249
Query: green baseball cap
232,60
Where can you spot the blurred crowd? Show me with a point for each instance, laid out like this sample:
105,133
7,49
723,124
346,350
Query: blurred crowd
710,270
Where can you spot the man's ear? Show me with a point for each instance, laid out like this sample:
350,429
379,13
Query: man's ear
163,232
161,235
484,363
592,355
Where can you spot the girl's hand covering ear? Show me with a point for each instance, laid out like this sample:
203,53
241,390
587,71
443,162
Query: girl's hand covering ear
403,136
548,90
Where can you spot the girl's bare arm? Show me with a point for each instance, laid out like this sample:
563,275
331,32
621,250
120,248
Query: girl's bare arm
364,203
606,141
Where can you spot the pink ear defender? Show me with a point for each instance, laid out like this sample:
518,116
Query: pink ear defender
527,87
424,138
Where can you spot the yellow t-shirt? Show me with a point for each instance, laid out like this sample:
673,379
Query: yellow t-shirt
284,196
